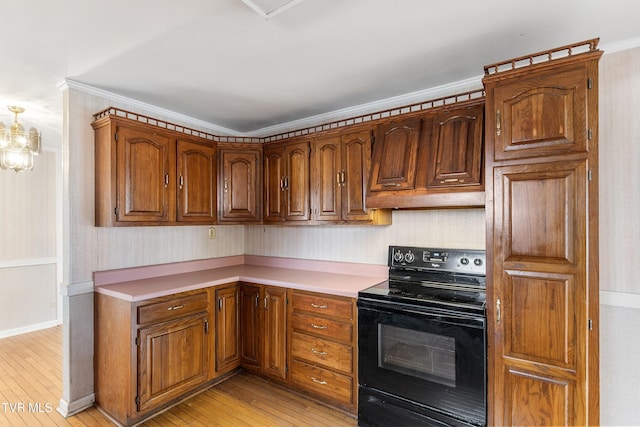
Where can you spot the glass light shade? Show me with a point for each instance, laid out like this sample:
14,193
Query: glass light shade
18,147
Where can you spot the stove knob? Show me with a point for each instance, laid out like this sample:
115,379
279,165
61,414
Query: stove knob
397,257
464,261
477,262
409,257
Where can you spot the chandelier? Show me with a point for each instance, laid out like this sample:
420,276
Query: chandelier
18,147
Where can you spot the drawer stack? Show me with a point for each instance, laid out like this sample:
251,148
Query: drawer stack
323,351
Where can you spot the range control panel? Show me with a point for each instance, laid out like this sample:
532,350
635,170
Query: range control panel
468,261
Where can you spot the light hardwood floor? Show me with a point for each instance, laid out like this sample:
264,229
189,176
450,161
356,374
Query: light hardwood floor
31,387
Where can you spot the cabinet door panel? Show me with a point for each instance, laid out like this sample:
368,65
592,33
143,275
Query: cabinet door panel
275,331
394,156
196,182
456,149
356,161
327,168
297,182
227,329
145,178
240,180
251,326
540,285
541,116
274,176
538,401
172,358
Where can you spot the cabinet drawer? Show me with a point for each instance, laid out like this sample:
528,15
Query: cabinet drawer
172,308
327,353
322,382
324,305
321,326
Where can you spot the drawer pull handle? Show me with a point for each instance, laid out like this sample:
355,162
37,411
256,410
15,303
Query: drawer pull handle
391,184
318,352
317,381
175,307
318,306
314,326
449,180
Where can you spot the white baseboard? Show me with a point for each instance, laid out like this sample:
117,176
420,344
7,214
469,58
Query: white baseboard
30,328
67,409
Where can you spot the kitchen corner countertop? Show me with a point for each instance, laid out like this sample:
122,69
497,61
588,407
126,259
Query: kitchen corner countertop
306,275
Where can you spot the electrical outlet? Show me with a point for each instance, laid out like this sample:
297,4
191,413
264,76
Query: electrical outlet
212,232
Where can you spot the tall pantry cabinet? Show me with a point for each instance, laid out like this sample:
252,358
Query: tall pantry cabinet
542,237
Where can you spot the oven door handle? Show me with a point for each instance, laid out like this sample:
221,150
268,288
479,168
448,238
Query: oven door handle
403,309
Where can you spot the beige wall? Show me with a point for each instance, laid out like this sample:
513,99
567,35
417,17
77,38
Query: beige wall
463,228
619,194
28,247
620,171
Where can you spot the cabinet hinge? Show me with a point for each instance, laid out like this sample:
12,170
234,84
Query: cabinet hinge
115,211
137,340
590,325
138,403
589,134
286,369
206,326
115,136
589,83
589,175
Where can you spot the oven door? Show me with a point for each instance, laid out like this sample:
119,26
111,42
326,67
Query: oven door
434,361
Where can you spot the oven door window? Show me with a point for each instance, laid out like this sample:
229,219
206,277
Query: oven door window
418,354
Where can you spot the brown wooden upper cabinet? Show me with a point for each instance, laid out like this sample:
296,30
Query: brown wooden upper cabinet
541,117
147,176
395,155
286,182
456,148
340,173
197,192
239,187
431,160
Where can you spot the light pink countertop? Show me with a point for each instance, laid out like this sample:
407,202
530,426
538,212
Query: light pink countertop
336,278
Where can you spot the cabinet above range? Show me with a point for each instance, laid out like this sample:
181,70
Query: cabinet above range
431,159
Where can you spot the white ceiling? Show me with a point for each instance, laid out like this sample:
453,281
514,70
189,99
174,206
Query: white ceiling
220,62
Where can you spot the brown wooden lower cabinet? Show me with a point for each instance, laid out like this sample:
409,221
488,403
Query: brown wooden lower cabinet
150,354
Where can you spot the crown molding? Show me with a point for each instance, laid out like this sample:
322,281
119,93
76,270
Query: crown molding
91,90
621,45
